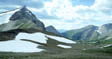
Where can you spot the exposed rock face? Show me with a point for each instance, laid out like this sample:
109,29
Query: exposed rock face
52,30
9,35
106,29
25,14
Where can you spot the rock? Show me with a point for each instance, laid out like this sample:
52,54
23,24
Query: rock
52,30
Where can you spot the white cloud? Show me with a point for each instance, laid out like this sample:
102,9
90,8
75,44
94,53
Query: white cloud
35,9
102,4
79,15
9,6
62,24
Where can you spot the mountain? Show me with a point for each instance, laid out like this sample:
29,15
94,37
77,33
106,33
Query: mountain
85,33
90,32
21,19
105,29
52,30
25,14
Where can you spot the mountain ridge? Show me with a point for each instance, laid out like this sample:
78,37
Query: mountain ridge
89,32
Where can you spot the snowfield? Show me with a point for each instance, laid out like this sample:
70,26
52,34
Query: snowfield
18,45
107,45
39,37
64,46
4,17
61,39
98,30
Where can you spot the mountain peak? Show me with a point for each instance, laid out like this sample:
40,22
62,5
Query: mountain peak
50,26
107,25
91,25
25,14
106,29
24,8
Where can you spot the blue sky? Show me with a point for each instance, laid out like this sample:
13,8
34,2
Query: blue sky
82,2
65,14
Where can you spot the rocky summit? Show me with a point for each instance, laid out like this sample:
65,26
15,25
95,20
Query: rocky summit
25,14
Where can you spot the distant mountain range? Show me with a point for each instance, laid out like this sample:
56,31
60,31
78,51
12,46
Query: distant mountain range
89,33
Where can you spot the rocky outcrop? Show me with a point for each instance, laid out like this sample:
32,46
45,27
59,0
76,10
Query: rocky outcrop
105,29
52,30
9,35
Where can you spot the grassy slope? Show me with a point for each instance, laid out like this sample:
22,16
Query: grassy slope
83,33
70,33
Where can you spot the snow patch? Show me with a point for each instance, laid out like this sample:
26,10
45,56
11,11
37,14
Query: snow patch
64,46
61,39
4,17
108,38
107,45
84,49
98,30
38,37
19,46
28,12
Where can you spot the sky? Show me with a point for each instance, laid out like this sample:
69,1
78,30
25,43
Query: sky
65,14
